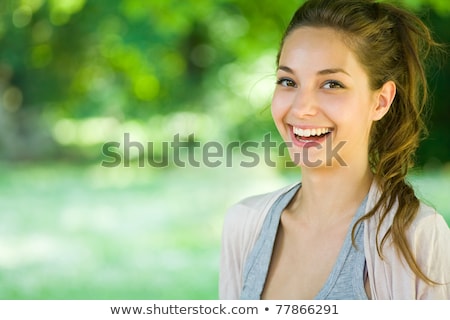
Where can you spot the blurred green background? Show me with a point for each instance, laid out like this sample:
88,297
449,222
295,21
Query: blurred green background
76,74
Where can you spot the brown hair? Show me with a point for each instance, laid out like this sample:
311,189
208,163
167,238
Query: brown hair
391,43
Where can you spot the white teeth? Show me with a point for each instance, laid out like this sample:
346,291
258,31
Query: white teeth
310,132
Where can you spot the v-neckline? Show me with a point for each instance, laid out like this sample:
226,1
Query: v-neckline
258,264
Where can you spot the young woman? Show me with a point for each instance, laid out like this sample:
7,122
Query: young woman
349,98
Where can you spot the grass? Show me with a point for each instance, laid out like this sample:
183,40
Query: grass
70,232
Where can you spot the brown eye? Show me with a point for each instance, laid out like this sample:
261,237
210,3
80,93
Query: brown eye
285,82
332,84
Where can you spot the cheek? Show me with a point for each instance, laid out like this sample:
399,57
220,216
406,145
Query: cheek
345,108
279,107
352,118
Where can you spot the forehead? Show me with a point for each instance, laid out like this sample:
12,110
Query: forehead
315,47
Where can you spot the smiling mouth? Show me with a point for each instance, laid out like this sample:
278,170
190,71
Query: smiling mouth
306,135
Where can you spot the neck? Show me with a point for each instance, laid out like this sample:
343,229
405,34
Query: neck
332,194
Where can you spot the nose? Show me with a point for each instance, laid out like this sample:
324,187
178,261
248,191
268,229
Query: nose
304,103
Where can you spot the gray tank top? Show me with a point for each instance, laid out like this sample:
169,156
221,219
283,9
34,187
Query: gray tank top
346,280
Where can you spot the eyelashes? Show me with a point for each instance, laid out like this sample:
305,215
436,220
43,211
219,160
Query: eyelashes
329,84
333,84
286,82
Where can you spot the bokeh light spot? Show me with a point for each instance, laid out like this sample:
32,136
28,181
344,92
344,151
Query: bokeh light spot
146,87
22,16
12,99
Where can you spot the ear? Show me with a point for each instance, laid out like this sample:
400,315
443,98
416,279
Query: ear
385,97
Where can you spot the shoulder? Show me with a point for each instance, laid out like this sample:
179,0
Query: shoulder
242,224
428,238
427,218
427,230
243,220
428,215
428,223
251,211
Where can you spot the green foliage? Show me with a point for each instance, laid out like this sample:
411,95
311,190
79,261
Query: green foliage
77,73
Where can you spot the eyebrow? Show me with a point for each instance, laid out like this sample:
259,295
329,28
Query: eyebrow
321,72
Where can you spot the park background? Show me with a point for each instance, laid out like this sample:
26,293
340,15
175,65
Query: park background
76,74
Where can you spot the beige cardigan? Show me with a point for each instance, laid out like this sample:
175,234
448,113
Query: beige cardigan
389,278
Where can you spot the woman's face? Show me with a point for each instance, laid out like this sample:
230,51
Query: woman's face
323,106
